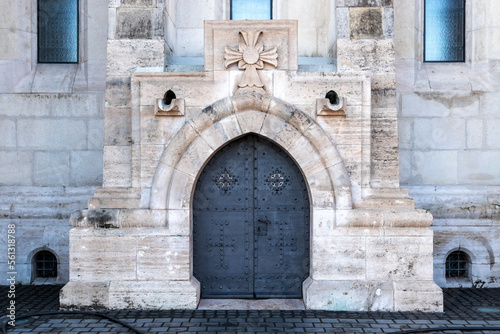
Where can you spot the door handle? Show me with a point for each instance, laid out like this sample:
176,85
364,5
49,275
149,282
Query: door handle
264,221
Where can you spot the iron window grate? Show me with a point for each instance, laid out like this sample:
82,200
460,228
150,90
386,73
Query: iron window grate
46,264
457,265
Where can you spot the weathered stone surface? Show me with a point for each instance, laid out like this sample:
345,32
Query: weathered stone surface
138,3
364,3
423,170
478,167
376,56
165,257
418,295
118,91
156,295
8,131
52,168
366,23
118,127
439,133
129,54
349,295
52,134
134,24
116,163
16,168
91,295
339,258
86,168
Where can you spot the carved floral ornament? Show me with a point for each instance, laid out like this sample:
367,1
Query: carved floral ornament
251,57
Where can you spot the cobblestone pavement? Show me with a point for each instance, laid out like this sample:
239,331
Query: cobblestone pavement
464,308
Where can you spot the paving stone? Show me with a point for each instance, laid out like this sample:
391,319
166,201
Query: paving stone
460,311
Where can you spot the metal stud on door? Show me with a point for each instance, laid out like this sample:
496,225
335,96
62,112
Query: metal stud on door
251,223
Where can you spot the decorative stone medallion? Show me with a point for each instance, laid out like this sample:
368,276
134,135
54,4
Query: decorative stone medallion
250,57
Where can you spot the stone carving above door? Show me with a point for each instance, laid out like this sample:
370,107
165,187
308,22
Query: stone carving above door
252,45
251,57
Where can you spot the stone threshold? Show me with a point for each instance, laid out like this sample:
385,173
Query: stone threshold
251,304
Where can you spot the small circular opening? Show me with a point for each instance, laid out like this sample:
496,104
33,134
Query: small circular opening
333,97
168,97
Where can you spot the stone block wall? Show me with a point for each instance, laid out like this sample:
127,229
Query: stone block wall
135,39
366,43
51,133
448,138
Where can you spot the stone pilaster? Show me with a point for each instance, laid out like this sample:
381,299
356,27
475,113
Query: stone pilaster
366,43
135,39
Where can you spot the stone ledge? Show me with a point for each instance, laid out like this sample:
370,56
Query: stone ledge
388,218
118,218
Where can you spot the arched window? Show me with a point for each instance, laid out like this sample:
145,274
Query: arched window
458,265
251,9
57,31
444,30
45,264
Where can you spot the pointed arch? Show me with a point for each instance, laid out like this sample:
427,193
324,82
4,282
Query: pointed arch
230,118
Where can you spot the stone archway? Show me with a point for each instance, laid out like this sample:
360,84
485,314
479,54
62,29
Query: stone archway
299,135
304,140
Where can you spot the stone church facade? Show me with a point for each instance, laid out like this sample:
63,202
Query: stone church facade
112,164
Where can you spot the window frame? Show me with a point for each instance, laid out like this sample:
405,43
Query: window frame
38,260
271,10
465,257
464,37
78,2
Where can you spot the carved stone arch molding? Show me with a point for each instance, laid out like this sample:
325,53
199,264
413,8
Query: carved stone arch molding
230,118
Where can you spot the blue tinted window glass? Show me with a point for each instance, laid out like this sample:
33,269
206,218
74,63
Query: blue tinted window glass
251,10
444,31
57,31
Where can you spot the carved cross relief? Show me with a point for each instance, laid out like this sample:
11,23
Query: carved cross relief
251,57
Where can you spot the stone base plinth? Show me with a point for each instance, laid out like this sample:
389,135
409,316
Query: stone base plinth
144,295
364,295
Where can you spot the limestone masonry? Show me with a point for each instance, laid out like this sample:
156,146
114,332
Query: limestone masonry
100,160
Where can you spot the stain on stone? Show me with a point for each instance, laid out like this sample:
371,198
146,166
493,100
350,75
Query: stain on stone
363,3
138,3
134,24
209,111
451,100
101,219
469,211
366,23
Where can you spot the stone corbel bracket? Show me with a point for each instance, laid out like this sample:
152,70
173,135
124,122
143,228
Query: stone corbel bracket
176,107
331,105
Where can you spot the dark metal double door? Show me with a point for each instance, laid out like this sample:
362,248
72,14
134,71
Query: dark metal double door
251,223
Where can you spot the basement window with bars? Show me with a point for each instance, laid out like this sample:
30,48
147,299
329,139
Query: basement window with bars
251,9
444,30
46,264
457,265
57,22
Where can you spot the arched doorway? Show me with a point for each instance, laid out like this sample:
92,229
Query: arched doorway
251,223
